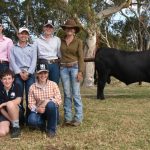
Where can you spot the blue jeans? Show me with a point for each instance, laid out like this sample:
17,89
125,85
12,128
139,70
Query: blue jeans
54,72
71,93
25,85
38,120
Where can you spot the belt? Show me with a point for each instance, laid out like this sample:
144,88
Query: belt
69,64
52,61
3,62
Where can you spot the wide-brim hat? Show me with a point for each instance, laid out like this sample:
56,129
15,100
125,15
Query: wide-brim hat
42,67
70,23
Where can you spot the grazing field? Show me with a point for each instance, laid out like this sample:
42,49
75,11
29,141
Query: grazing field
121,122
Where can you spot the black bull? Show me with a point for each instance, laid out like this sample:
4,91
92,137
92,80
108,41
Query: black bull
128,67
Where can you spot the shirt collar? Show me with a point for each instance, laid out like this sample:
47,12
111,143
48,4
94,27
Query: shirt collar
43,38
3,38
28,44
12,87
39,86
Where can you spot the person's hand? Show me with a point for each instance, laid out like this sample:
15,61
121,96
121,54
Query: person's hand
2,105
41,109
79,76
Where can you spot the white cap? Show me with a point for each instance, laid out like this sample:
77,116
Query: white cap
23,29
48,23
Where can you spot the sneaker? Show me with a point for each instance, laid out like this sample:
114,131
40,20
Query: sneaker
51,134
15,133
75,123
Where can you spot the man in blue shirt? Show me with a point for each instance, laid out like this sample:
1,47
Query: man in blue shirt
23,58
10,99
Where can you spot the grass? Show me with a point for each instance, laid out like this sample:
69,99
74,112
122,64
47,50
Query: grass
121,122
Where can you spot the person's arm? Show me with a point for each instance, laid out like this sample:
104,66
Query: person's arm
34,60
13,64
58,48
57,96
9,47
31,99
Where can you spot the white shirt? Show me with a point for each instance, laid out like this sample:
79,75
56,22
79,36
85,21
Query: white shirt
48,48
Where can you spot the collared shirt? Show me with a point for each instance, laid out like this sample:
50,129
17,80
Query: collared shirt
39,95
23,58
48,49
5,46
12,94
72,52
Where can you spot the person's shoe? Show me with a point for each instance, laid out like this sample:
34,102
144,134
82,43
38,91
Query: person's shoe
15,133
75,123
67,123
51,134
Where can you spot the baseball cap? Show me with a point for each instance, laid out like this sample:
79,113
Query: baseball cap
42,67
23,29
48,23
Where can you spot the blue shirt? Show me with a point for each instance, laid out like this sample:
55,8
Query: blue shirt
23,58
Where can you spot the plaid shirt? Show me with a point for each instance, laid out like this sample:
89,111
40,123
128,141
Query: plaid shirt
40,96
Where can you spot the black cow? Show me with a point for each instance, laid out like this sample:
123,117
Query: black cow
128,67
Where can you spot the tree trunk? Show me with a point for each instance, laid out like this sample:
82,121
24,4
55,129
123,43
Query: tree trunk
89,52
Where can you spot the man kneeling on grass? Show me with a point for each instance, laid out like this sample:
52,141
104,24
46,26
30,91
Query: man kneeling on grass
10,98
44,99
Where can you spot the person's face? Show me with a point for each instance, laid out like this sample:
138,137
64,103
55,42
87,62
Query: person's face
7,81
42,76
47,30
1,28
70,31
23,36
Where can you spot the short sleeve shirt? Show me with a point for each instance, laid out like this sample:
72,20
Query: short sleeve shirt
12,94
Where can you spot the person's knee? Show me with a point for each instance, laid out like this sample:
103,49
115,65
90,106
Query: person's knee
51,105
4,132
11,105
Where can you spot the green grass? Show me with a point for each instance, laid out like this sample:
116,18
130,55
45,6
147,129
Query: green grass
121,122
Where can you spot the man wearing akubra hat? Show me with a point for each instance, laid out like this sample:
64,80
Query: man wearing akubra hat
23,58
5,46
48,47
44,99
71,71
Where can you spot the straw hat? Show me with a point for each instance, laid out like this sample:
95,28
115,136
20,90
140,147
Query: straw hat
70,23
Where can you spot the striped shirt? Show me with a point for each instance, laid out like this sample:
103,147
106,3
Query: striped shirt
41,95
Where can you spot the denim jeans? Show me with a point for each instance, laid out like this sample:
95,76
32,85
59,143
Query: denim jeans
71,93
25,85
54,72
38,120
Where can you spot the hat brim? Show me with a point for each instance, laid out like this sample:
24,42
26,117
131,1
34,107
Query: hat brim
42,71
24,31
48,24
77,28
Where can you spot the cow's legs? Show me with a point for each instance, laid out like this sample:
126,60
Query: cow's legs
102,79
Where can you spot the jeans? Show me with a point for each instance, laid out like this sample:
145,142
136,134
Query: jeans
54,72
25,85
71,93
38,120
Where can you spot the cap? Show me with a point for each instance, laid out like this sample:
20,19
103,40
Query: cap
23,29
48,23
42,67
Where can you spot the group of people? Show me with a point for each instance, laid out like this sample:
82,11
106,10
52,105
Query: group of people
34,70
